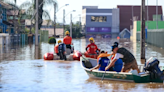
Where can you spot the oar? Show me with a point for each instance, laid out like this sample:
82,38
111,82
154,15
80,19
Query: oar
105,70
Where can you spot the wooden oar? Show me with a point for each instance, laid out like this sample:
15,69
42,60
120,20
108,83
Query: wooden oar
105,70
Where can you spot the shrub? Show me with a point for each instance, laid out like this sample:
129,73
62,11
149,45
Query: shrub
52,40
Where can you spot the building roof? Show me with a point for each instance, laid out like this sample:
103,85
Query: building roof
15,12
5,5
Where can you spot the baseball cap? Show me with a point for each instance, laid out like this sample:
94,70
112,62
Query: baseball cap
114,46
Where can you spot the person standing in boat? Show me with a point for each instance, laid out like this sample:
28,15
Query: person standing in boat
61,50
127,57
102,63
67,40
92,47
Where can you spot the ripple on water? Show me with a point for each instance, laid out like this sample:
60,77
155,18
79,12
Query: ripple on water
22,69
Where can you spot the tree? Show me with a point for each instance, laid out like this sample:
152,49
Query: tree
76,28
30,6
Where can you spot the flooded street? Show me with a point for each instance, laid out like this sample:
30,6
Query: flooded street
22,69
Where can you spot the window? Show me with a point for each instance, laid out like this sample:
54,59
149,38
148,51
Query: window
98,18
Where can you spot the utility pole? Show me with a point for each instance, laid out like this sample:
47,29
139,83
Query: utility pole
54,20
36,24
142,39
80,23
147,14
157,14
71,25
63,21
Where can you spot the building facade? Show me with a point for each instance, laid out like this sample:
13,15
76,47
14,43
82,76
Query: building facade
3,17
100,22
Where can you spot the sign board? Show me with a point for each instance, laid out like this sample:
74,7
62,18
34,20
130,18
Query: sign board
92,29
98,29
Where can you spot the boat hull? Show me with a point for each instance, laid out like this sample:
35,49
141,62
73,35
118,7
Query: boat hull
117,76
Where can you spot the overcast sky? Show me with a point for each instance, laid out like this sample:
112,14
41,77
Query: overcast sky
77,5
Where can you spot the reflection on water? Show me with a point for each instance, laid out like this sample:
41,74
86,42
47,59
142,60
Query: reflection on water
22,69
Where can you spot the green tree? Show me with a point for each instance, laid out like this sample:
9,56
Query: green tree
30,6
76,28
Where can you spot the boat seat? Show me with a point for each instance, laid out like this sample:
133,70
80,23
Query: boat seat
87,64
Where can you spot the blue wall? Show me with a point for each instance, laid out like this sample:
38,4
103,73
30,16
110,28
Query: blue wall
3,26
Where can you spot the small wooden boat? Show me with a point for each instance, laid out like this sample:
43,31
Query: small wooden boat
144,77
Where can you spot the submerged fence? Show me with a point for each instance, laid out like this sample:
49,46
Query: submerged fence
154,37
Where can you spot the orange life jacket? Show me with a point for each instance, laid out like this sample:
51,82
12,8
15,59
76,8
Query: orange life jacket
102,55
67,40
56,49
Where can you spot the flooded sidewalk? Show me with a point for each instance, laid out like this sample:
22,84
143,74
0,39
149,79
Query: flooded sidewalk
22,69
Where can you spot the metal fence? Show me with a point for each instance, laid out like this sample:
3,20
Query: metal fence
154,37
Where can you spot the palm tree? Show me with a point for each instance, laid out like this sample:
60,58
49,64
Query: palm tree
30,9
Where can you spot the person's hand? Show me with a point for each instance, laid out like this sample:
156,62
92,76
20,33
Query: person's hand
91,70
106,68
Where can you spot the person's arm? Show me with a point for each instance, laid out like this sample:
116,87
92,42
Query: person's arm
86,48
96,67
111,64
117,56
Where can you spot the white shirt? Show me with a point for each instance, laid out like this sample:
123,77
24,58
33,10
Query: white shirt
118,55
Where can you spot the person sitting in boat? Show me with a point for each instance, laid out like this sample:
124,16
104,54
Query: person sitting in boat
67,40
118,64
102,63
61,50
92,47
56,48
127,57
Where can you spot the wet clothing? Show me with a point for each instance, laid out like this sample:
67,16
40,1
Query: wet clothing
67,40
104,61
92,48
56,49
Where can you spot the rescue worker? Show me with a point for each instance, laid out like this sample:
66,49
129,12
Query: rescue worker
61,50
102,63
56,48
67,40
92,47
127,57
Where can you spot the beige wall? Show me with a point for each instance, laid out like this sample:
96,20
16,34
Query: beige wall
59,31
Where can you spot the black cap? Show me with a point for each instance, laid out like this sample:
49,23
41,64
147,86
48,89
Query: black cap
115,43
114,46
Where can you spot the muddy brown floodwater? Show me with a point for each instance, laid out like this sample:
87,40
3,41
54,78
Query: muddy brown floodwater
22,69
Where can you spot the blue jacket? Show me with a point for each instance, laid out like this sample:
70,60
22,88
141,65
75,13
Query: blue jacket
104,61
61,47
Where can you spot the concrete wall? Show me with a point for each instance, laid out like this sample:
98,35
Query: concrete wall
115,21
154,37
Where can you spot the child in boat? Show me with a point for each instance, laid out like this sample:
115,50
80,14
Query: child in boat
102,63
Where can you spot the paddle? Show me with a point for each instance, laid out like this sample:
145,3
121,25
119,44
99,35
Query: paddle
105,70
